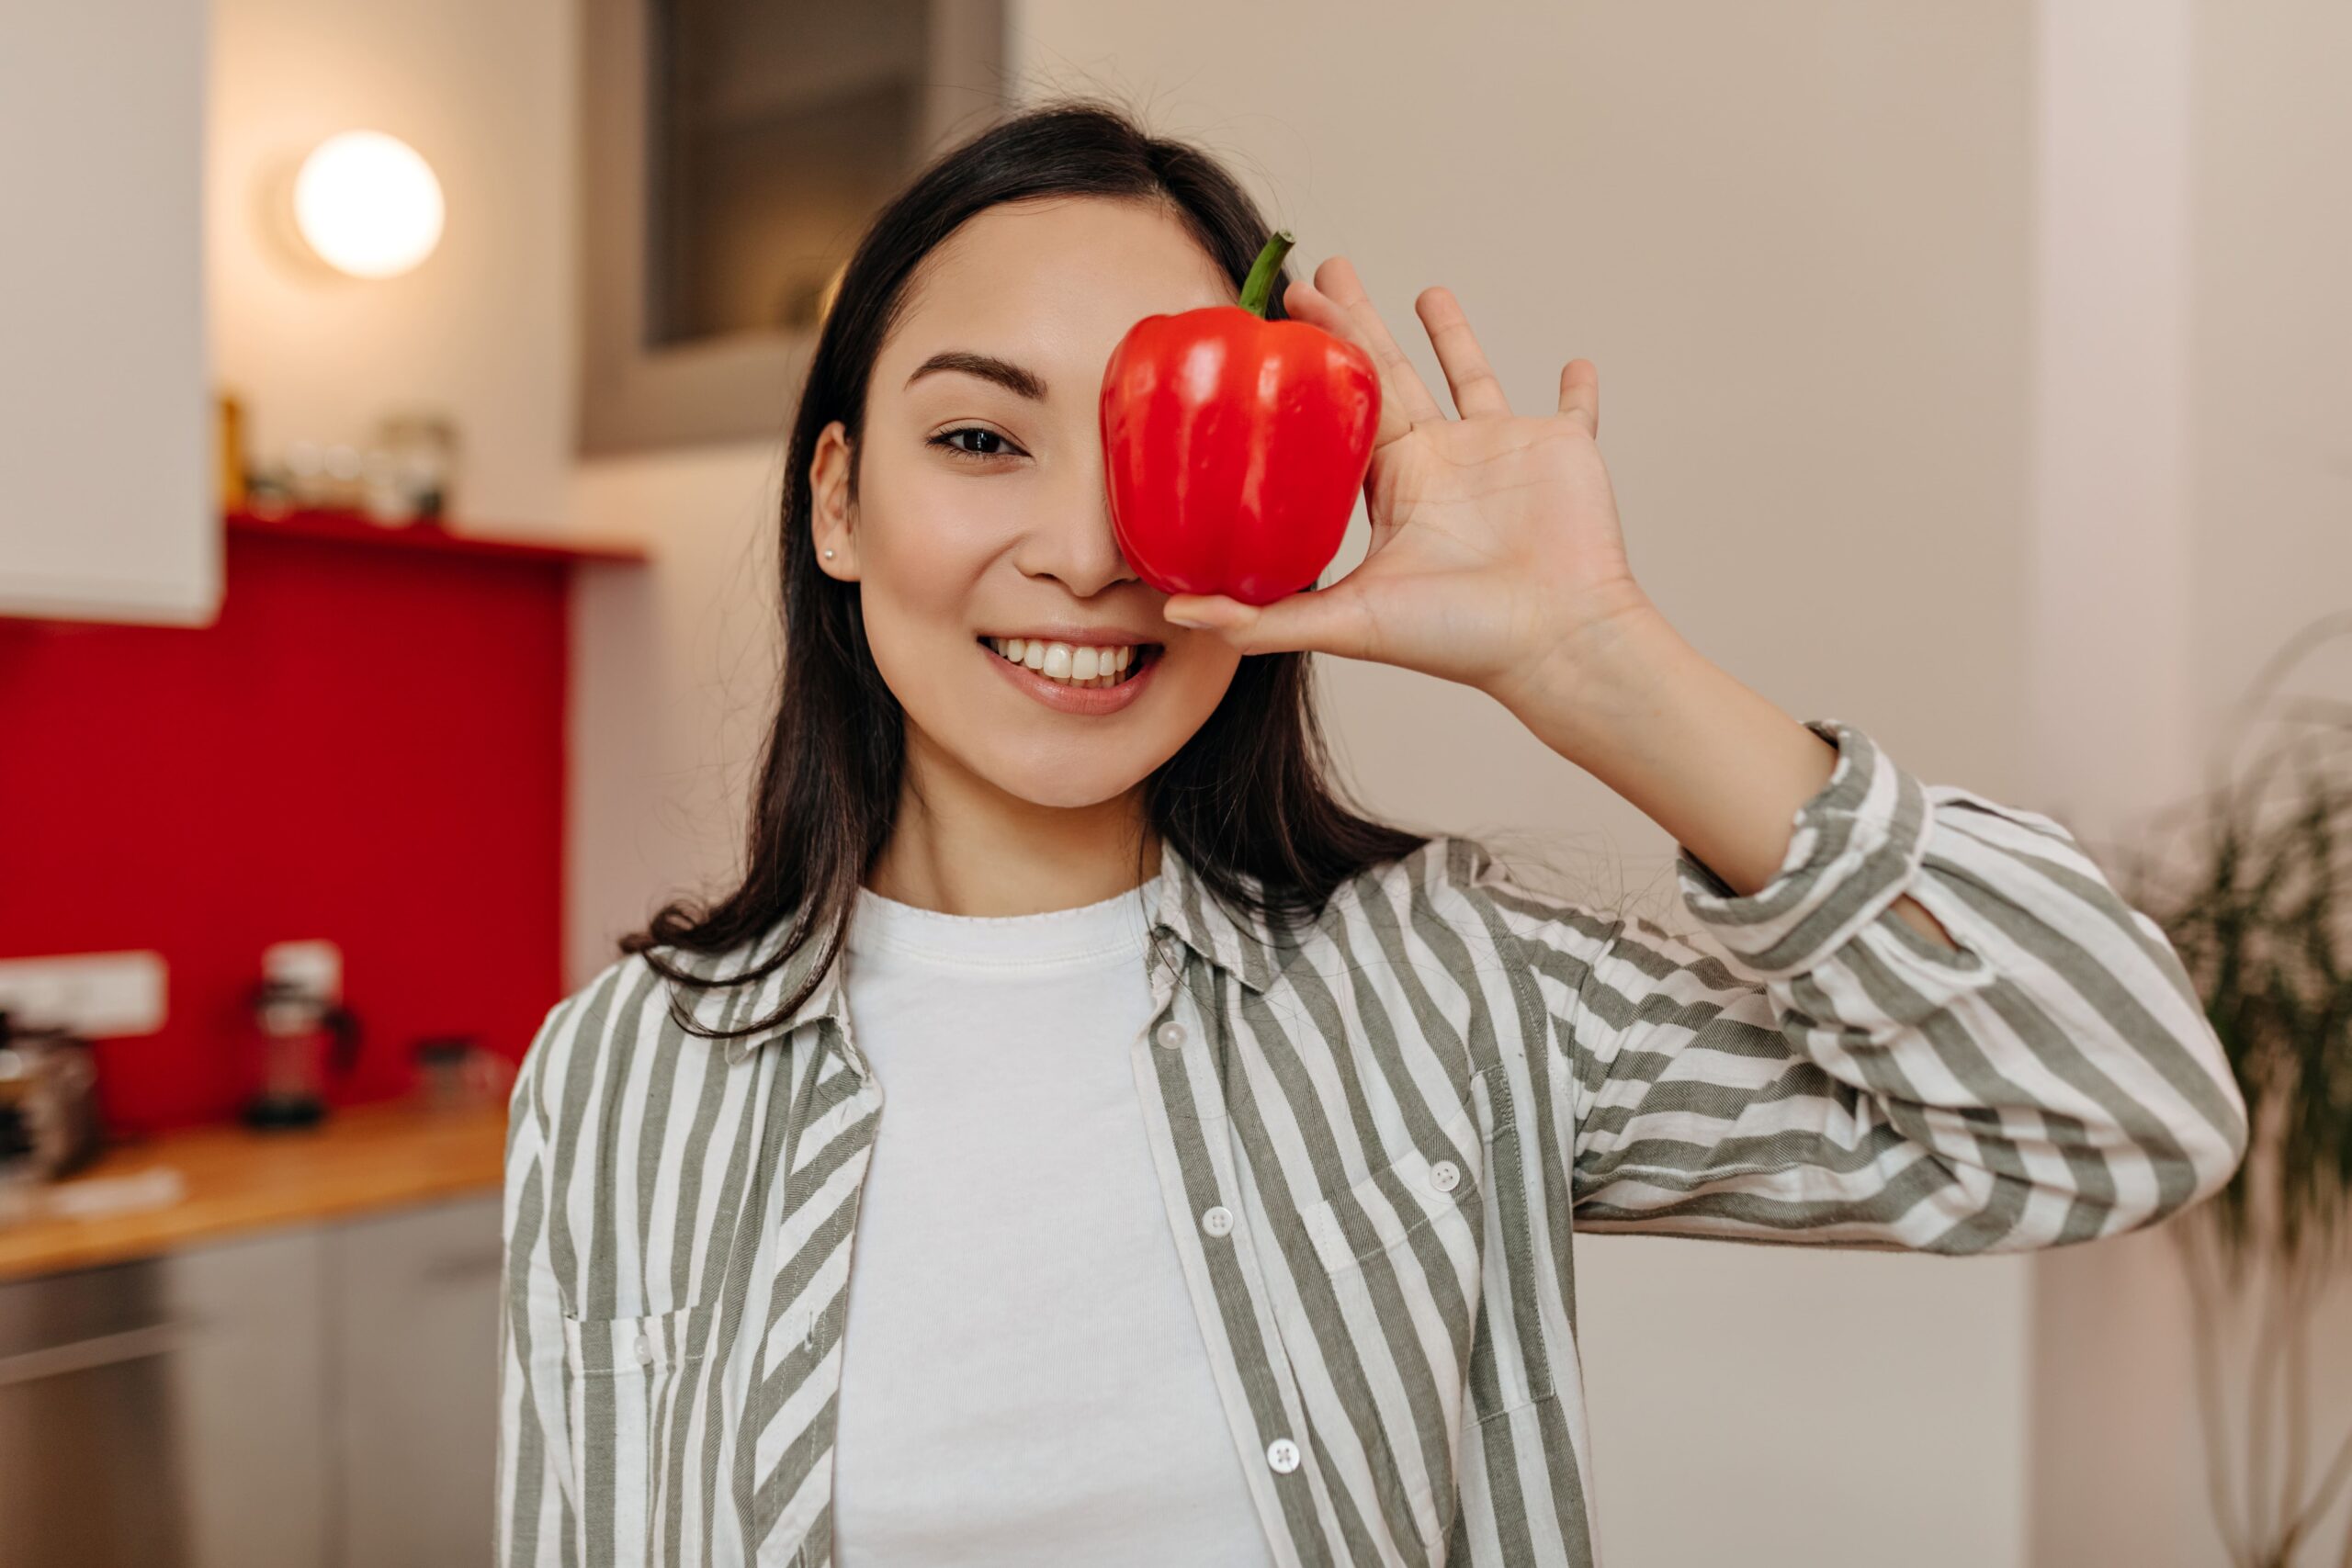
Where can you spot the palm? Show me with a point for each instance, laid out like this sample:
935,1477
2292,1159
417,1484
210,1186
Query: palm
1494,536
1487,536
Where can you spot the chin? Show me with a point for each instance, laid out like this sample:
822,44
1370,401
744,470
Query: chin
1064,787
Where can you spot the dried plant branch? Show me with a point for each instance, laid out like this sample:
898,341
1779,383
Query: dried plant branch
2212,1412
2261,1419
2304,1289
2338,1470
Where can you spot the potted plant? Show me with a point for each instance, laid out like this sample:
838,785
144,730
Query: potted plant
2258,899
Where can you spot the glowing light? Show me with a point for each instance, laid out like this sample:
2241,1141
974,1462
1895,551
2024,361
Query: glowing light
368,204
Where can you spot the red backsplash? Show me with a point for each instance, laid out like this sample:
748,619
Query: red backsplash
367,747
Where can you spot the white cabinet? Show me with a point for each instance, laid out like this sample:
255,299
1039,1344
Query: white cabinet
319,1396
239,1445
108,506
413,1306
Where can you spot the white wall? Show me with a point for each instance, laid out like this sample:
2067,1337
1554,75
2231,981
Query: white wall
674,673
484,328
2111,597
2272,345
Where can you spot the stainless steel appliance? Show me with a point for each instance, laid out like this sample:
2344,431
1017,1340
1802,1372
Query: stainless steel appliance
89,1474
49,1105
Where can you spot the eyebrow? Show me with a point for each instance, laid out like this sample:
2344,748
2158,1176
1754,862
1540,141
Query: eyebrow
987,367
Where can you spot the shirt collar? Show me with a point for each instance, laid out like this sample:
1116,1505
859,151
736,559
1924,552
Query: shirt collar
1241,944
729,1007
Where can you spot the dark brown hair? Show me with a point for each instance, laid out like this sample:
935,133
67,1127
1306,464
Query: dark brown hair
1245,800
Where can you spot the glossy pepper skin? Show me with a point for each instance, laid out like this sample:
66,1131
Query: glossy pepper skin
1235,446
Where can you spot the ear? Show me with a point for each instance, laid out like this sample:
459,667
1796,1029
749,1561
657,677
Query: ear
831,516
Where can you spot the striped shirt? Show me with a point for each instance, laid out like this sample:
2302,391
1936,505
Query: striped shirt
1375,1139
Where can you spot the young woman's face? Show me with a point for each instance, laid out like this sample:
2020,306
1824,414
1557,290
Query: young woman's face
982,526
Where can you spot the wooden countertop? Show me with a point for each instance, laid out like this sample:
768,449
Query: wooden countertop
361,1158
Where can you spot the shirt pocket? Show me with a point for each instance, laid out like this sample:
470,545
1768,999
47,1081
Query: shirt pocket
631,1381
1421,1185
1400,1257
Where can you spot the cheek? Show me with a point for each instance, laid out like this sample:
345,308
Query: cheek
923,553
1191,681
1206,671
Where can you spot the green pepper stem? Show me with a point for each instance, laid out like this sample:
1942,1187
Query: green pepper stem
1257,289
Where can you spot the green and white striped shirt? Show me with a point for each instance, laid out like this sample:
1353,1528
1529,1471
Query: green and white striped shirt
1374,1141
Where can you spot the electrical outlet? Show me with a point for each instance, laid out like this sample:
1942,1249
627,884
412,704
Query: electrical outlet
96,995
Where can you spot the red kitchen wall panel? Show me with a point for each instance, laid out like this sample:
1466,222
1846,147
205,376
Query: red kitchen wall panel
367,746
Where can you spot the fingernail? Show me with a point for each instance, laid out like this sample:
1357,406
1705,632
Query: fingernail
1181,620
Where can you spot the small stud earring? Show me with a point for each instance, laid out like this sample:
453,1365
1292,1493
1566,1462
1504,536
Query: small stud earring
829,555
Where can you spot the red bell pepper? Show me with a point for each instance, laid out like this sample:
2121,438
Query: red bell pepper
1235,446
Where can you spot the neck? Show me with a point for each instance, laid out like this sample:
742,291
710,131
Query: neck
961,846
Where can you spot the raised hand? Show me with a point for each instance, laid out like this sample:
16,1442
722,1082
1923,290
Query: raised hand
1496,549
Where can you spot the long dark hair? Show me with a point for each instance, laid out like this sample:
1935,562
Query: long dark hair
1247,800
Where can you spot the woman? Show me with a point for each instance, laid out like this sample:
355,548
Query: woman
1234,1141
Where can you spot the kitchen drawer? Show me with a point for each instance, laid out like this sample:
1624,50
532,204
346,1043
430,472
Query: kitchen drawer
88,1475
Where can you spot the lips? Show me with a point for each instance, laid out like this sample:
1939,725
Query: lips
1097,666
1098,698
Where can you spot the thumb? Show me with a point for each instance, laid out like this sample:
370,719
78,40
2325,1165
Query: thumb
1316,620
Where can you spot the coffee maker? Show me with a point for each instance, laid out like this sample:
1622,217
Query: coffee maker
308,1036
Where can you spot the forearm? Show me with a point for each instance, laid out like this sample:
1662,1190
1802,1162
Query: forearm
1712,762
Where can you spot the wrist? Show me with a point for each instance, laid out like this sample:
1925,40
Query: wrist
1716,764
1599,680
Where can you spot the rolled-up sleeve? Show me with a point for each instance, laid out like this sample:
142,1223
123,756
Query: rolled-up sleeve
535,1509
1849,1081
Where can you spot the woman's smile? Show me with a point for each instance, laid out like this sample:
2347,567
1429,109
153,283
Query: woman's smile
1075,677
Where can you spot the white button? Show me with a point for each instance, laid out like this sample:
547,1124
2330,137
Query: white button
1283,1454
1443,1175
1170,1034
644,1349
1217,1221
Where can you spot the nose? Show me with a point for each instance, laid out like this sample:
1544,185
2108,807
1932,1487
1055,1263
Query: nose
1071,540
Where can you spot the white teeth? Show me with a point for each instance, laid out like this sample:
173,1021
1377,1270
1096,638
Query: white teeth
1072,664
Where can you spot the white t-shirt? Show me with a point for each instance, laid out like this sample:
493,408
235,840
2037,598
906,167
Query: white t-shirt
1024,1382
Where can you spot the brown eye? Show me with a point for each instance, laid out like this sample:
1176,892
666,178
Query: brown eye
987,443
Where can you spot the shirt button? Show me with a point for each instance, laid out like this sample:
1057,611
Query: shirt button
1170,1036
1283,1454
644,1349
1217,1221
1443,1175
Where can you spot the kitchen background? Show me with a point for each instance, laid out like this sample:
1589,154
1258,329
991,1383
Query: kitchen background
1981,374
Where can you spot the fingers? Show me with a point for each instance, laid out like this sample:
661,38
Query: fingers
1581,394
1400,383
1477,393
1306,303
1336,301
1330,620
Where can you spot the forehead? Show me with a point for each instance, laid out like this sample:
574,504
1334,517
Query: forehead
1053,284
